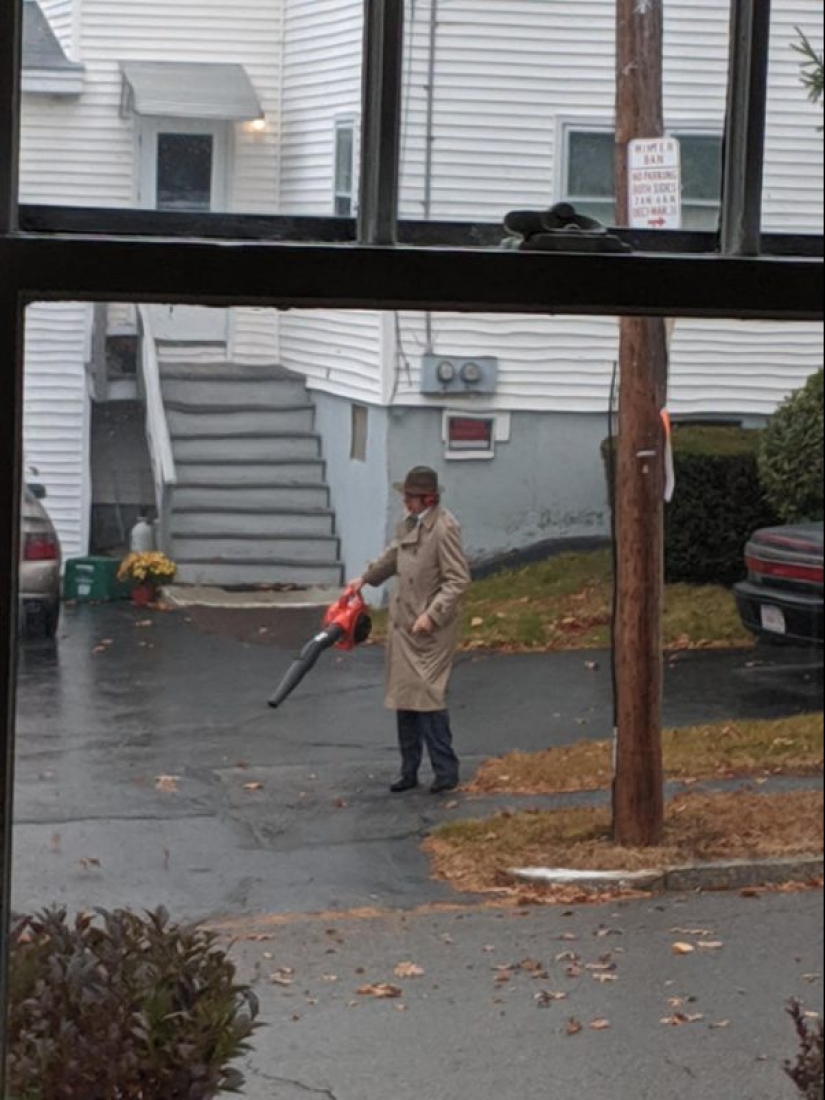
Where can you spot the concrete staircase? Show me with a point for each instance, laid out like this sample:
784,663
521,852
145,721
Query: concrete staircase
251,506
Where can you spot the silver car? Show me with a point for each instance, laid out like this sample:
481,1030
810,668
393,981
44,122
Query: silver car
40,562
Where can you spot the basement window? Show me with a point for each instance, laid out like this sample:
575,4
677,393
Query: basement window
469,436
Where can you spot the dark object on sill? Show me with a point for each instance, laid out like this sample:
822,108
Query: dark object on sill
559,229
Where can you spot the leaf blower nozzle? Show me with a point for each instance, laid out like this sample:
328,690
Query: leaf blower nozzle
346,625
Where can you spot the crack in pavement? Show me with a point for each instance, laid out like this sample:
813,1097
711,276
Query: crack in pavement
297,1084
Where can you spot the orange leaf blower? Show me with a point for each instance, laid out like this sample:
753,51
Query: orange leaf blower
346,625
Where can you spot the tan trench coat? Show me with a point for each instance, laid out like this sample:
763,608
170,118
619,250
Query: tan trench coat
432,571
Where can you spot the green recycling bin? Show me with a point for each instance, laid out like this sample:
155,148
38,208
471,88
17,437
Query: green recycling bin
93,580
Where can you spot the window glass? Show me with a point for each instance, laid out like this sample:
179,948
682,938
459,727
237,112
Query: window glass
513,107
150,772
104,87
793,191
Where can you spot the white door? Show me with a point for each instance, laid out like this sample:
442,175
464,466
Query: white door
183,167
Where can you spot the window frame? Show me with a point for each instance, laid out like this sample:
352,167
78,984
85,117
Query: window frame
51,253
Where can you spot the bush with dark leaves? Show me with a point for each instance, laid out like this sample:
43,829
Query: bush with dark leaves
719,503
792,454
808,1071
117,1006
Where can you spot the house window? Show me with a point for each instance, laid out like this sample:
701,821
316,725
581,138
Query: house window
344,169
359,433
589,175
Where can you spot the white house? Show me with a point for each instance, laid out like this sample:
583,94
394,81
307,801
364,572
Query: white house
286,430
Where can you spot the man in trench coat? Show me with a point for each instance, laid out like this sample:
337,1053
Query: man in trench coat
427,558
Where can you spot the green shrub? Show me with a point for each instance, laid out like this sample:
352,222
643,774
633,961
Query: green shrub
122,1007
719,503
791,455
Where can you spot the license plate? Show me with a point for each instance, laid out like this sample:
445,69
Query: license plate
773,619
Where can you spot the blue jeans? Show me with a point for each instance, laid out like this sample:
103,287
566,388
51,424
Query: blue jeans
431,728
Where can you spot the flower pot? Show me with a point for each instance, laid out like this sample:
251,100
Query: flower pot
144,594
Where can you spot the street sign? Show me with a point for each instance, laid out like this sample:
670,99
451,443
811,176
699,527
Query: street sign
655,168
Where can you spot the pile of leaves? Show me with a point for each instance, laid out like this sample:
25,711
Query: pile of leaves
808,1072
120,1006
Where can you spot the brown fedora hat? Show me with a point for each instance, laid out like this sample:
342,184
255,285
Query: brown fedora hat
420,481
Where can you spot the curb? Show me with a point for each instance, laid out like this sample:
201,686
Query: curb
733,875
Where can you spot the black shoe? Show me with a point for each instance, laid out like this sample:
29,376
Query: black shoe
442,785
403,784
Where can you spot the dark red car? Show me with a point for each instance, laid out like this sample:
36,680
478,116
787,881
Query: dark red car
782,598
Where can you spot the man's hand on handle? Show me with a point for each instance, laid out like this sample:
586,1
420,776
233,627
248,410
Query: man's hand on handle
423,625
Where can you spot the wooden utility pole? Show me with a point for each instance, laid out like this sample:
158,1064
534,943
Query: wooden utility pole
638,796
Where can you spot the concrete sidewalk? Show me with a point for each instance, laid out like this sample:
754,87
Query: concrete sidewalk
559,1003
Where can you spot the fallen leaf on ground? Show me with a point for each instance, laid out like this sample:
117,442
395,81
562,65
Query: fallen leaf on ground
408,970
381,991
683,949
168,784
601,1025
574,1027
678,1019
546,998
253,786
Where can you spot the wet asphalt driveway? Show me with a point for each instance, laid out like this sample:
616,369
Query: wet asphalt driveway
285,811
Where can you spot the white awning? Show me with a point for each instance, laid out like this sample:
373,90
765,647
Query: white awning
172,89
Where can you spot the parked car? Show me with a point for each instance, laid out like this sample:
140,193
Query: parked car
782,598
40,561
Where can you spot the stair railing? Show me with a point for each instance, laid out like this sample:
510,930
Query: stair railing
157,431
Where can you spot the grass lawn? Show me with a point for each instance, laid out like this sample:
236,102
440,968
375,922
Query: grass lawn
477,855
787,746
565,603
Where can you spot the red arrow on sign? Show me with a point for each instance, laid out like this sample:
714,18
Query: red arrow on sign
657,223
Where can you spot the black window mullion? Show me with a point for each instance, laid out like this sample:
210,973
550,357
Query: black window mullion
11,35
11,415
383,74
744,152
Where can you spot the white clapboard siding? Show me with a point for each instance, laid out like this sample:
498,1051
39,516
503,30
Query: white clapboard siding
56,413
793,143
95,147
337,352
322,83
566,363
255,336
740,367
